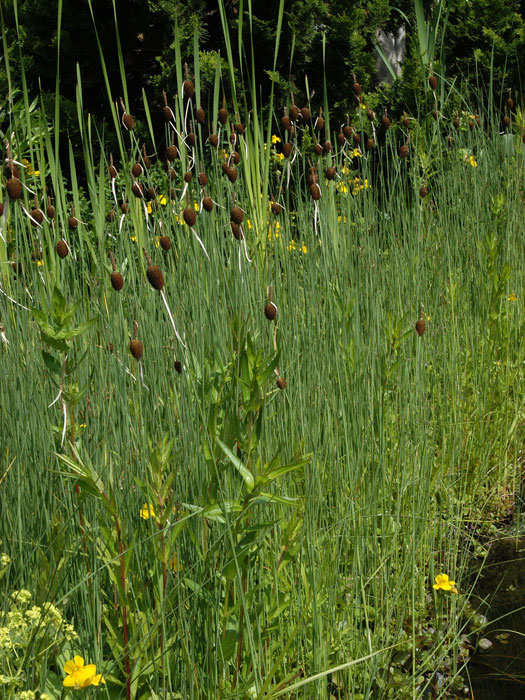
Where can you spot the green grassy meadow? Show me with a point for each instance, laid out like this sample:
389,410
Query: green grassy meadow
241,506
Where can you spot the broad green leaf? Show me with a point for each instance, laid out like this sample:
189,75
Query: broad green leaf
243,471
275,471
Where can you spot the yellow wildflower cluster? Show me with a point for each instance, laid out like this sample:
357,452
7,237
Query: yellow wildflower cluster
80,675
161,200
512,297
29,167
273,230
147,511
293,245
443,583
354,185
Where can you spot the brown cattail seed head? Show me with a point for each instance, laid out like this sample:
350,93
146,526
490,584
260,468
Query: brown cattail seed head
117,281
327,146
50,211
370,143
37,215
137,170
236,230
124,207
286,122
190,138
318,149
281,383
370,115
305,114
341,138
171,153
72,222
128,122
315,191
188,177
138,190
270,311
287,149
506,121
356,137
62,249
202,179
423,191
207,204
435,115
112,172
200,115
165,242
110,347
136,348
237,215
239,128
232,174
178,366
420,326
14,188
190,216
433,82
330,173
236,157
168,114
510,102
403,151
385,121
293,112
213,140
223,115
471,124
312,177
188,88
155,277
172,173
406,122
319,123
111,215
276,208
12,170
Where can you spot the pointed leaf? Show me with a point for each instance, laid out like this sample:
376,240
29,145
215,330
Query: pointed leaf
241,468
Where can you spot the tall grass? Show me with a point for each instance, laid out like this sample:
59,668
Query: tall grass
402,445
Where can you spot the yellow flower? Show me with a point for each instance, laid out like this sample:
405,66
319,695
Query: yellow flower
473,162
157,241
196,206
248,224
174,563
356,153
81,676
148,207
443,583
280,156
512,297
163,200
29,167
39,263
275,139
292,245
304,249
147,511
